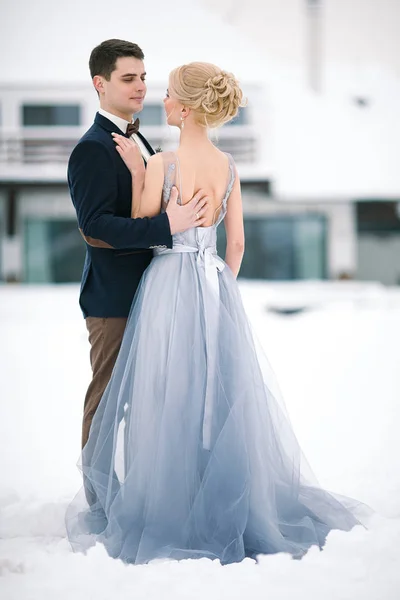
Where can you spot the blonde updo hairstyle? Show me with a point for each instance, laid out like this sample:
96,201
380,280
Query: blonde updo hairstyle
211,93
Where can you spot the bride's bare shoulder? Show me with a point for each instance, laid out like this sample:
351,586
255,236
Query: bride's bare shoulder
162,157
223,155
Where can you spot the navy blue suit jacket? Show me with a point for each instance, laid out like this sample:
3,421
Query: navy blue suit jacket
101,191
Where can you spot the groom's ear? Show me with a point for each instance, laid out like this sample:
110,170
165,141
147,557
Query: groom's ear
98,83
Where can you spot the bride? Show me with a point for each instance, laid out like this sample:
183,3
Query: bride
191,453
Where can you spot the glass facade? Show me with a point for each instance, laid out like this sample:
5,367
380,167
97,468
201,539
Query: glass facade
283,247
152,115
41,115
54,251
2,232
378,248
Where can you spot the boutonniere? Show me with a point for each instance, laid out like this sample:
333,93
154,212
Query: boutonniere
158,149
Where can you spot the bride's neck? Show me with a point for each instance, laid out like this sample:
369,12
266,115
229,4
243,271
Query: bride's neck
193,136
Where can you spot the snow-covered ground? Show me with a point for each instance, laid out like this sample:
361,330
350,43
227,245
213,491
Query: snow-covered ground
337,361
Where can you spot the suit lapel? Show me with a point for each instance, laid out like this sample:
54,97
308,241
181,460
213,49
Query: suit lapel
107,124
146,143
110,126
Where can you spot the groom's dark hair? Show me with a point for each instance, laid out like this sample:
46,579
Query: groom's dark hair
103,58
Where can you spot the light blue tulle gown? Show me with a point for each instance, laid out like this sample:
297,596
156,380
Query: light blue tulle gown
191,453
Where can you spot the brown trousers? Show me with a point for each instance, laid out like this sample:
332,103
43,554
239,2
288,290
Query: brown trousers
105,337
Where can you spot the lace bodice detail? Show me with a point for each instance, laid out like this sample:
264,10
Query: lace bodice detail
199,236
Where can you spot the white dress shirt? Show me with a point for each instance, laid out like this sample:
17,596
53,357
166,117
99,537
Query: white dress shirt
122,125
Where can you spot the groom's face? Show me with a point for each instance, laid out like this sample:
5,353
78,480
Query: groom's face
124,94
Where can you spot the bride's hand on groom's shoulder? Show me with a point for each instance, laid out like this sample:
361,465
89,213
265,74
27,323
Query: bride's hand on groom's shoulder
189,215
130,154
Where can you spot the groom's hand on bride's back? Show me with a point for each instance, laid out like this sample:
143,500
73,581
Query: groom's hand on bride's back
189,215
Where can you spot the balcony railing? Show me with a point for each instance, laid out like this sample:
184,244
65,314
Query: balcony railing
53,146
243,148
38,145
239,141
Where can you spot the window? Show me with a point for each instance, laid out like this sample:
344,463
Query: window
53,251
378,216
2,226
283,247
44,115
152,114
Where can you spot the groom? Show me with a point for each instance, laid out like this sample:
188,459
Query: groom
118,247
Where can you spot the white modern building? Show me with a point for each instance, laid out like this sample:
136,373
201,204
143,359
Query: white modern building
316,147
332,69
39,237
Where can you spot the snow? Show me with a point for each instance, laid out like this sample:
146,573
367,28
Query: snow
336,358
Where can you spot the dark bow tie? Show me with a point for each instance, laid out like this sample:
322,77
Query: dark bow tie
133,127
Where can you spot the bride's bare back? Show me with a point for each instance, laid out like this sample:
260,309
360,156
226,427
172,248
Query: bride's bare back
208,170
201,167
